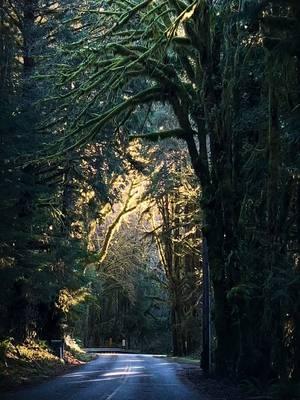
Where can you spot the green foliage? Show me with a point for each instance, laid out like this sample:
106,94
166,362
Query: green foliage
5,347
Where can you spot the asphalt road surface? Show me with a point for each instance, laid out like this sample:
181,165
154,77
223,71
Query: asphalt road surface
115,377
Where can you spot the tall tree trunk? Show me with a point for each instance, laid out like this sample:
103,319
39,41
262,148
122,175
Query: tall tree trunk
206,313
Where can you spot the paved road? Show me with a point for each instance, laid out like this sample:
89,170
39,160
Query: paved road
115,377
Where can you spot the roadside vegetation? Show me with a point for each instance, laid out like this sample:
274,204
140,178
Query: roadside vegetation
33,361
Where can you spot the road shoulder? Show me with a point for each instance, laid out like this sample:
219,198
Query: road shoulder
210,388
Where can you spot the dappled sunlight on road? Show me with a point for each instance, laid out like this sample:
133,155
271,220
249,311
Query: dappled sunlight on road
111,378
132,367
120,373
162,364
127,370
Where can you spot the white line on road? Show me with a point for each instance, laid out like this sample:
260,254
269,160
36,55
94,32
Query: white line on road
109,397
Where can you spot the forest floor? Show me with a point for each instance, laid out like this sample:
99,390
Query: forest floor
33,362
210,388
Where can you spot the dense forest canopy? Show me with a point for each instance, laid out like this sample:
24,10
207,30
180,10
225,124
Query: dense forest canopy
150,178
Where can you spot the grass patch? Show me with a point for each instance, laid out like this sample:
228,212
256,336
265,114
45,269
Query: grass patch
190,359
184,360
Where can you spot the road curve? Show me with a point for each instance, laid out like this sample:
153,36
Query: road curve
115,377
